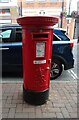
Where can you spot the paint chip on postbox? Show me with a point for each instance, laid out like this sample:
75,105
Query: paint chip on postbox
39,61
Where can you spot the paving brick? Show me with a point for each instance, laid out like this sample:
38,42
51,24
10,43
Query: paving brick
43,106
9,97
49,103
73,104
31,115
3,102
17,101
75,109
21,115
50,115
10,105
62,102
57,110
11,113
28,110
44,110
5,115
59,115
38,115
25,105
19,110
68,104
73,115
69,109
14,101
15,96
38,110
19,105
6,110
8,101
75,99
8,94
59,104
65,113
4,97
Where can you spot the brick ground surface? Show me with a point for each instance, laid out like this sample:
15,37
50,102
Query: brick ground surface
62,102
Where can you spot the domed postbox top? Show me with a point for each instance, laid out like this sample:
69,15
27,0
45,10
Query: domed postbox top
37,21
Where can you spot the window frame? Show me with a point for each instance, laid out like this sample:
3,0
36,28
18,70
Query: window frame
59,39
62,36
19,31
11,39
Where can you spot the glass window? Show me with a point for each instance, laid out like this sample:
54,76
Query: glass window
4,10
53,0
63,36
4,1
5,35
29,0
41,0
18,37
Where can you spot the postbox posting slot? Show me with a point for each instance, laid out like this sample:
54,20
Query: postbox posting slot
39,36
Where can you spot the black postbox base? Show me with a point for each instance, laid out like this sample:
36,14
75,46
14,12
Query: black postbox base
35,98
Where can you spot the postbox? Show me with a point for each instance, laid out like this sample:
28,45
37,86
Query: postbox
37,36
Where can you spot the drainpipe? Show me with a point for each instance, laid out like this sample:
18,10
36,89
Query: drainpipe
20,8
62,12
69,6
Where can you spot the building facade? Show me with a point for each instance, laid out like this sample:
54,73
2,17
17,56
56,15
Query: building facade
8,11
76,35
11,9
42,7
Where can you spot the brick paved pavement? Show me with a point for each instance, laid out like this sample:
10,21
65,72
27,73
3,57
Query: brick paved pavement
62,102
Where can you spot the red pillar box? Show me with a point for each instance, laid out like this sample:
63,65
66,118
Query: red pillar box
37,36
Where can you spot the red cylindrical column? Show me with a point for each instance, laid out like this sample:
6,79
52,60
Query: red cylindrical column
37,36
